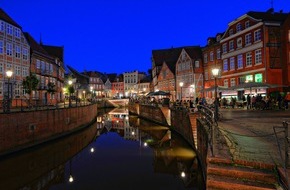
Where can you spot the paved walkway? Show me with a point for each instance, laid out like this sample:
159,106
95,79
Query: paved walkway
250,135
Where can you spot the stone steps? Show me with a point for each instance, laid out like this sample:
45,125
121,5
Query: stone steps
224,174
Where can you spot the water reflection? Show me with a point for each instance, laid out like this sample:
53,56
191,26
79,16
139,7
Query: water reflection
116,152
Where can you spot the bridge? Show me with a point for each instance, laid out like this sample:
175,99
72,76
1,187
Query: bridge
119,102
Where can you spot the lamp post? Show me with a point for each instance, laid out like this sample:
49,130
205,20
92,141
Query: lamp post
215,73
9,74
192,90
181,85
69,91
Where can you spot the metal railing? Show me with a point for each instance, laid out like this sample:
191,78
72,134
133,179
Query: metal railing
285,140
208,116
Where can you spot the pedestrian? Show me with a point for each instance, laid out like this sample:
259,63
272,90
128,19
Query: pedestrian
287,100
248,102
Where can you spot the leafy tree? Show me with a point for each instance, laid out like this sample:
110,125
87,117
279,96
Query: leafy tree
50,89
71,90
30,84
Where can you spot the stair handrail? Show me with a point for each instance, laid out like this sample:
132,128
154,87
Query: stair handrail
208,115
286,144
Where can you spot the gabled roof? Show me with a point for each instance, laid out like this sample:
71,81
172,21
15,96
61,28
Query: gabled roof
194,52
5,17
171,66
270,15
81,78
35,47
111,76
167,55
56,51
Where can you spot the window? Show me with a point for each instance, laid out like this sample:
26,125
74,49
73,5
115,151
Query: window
1,26
232,63
9,49
239,27
1,88
51,68
1,46
239,42
258,77
231,45
205,74
1,68
17,89
242,79
205,58
196,63
233,82
240,61
9,29
248,39
17,33
211,56
24,53
225,65
257,35
225,48
231,32
226,83
38,64
218,54
258,56
248,59
17,51
25,72
247,24
17,70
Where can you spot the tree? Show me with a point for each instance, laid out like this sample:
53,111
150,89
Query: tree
30,84
50,89
71,90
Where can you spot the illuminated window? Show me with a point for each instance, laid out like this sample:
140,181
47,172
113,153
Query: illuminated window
258,77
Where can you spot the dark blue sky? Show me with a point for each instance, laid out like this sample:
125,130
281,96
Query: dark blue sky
119,35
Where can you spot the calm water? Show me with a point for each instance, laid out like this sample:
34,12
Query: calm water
117,152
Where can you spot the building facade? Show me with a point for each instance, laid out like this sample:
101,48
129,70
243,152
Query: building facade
15,57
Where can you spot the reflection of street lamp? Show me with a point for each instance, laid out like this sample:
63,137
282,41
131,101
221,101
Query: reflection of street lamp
181,85
9,74
215,73
71,179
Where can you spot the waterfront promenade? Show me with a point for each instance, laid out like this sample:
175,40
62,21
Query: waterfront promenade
250,133
250,136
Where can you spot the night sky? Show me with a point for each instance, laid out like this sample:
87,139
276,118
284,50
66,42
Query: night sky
116,36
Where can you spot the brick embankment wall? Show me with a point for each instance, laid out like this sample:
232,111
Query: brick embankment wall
153,113
180,122
20,130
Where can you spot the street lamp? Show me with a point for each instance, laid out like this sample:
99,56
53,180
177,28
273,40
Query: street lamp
9,74
215,73
192,90
181,85
69,91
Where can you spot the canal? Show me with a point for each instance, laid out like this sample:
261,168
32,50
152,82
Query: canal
118,151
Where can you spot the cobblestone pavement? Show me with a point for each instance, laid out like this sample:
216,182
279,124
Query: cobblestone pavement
250,135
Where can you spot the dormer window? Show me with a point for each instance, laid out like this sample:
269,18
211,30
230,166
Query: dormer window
239,27
231,32
218,38
247,24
